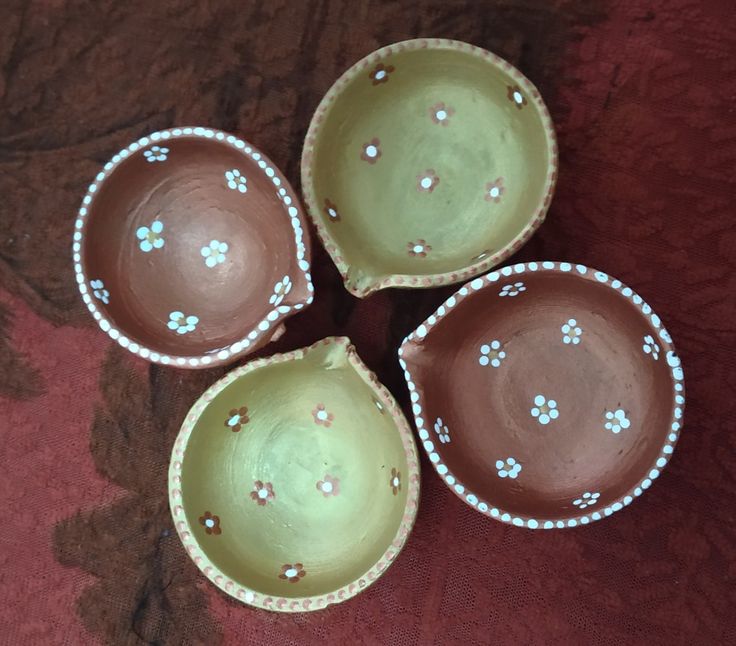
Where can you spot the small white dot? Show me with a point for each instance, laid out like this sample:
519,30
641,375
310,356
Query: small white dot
371,150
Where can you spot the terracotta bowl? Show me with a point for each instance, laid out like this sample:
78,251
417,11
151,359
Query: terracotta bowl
427,162
294,481
190,248
560,398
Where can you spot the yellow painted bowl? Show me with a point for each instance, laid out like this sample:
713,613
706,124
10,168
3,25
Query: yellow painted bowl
427,163
294,480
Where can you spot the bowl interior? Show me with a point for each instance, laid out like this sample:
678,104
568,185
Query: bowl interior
188,252
554,385
306,475
428,162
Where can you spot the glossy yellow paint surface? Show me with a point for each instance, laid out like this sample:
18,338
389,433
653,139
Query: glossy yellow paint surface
254,483
406,153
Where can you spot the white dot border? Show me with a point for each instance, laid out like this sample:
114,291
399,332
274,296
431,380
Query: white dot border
656,328
285,194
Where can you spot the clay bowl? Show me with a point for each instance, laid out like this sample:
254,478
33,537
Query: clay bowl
560,397
190,248
427,162
294,481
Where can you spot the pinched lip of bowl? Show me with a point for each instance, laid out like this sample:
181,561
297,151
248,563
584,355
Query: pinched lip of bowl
294,481
428,162
560,399
190,248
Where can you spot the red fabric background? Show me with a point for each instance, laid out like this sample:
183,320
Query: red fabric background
643,97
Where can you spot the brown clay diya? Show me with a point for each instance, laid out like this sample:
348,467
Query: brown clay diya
190,248
560,399
294,480
427,163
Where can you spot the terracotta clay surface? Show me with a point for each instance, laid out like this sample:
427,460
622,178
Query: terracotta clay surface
427,162
294,481
558,396
192,248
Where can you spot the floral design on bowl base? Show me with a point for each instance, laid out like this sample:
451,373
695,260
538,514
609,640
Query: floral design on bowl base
492,353
99,291
322,416
381,73
150,237
210,523
544,410
494,190
588,499
441,113
181,323
371,151
508,468
237,418
395,481
427,181
262,492
292,573
616,420
329,486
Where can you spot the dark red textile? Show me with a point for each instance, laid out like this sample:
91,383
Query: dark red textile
643,95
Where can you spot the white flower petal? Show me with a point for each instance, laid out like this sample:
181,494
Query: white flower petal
142,232
157,226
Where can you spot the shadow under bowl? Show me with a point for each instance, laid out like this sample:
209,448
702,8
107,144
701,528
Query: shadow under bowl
426,163
191,249
560,397
294,481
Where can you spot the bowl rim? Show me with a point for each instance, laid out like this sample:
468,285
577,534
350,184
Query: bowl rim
250,340
657,330
535,219
248,595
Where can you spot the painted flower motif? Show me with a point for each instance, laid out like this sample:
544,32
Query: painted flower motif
330,486
515,96
98,289
210,523
280,290
381,73
419,248
322,416
443,433
544,410
262,492
427,181
156,153
571,332
441,113
395,481
292,573
492,353
150,237
587,499
512,290
331,211
494,190
182,324
237,418
508,468
214,253
236,181
371,151
616,420
651,347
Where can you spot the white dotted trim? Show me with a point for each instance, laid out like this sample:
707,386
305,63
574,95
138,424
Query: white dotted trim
672,359
269,321
276,602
